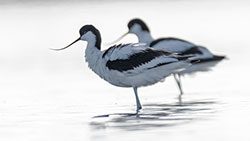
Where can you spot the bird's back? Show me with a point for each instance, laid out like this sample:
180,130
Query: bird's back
172,45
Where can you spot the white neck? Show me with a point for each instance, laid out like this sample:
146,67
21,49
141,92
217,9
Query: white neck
93,56
144,37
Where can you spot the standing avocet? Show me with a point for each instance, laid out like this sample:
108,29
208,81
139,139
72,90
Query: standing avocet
207,59
128,65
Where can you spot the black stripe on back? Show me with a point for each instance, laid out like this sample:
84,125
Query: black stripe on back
134,60
193,50
167,39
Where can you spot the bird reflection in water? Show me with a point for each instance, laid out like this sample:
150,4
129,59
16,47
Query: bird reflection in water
156,115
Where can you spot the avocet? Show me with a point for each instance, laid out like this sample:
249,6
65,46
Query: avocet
207,59
128,65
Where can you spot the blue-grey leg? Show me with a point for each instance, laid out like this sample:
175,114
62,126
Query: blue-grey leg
138,104
178,81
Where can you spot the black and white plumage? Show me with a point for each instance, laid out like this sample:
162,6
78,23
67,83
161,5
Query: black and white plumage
128,65
207,59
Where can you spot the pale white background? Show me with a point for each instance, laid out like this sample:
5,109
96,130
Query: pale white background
47,95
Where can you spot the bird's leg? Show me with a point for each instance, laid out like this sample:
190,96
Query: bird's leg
178,81
138,104
180,85
180,99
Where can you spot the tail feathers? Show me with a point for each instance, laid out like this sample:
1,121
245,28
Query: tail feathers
214,58
217,57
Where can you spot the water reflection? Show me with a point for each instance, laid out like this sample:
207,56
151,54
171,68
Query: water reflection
156,115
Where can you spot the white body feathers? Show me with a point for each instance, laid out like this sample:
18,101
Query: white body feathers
143,75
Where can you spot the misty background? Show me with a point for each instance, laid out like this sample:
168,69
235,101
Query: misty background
48,95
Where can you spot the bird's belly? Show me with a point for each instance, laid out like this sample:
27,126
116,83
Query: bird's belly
143,78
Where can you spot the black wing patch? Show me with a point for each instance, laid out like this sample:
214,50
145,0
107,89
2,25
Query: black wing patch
167,39
135,60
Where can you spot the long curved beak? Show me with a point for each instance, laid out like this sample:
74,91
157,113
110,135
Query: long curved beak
67,45
118,39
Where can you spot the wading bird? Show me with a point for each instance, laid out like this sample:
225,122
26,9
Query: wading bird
207,59
128,65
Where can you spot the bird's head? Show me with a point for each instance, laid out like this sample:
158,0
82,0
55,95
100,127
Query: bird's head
135,26
87,33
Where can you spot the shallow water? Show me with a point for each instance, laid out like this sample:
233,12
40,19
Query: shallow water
48,95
